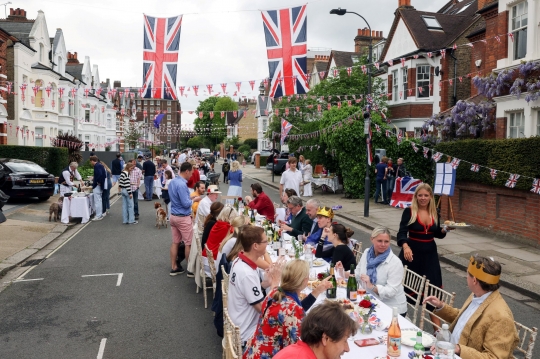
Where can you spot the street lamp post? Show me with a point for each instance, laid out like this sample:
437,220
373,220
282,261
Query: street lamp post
367,122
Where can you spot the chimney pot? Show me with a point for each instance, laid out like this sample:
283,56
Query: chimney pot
75,55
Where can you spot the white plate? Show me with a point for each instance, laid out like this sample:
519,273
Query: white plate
317,263
408,337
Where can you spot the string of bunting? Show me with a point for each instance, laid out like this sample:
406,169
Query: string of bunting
435,155
209,88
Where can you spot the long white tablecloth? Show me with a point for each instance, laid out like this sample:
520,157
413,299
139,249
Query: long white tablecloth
77,207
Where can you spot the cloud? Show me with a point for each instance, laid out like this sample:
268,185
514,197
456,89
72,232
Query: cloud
221,41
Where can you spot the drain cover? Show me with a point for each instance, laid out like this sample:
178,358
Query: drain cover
32,262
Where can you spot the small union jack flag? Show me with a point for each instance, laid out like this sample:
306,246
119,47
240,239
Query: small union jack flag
426,151
399,137
437,156
455,163
414,147
475,167
493,173
378,128
536,186
387,133
512,180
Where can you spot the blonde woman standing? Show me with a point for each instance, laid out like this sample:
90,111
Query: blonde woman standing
420,225
235,182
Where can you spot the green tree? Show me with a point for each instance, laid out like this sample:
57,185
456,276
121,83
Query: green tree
132,133
195,142
252,143
205,126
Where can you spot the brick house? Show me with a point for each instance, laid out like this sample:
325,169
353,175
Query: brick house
417,75
494,207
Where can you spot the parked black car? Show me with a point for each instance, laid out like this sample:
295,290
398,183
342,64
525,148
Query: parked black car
24,179
280,163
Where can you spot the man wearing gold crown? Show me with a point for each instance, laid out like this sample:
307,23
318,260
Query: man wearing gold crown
484,326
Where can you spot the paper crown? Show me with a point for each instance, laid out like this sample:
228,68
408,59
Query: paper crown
326,212
479,273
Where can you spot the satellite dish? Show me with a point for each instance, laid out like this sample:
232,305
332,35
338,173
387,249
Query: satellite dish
437,71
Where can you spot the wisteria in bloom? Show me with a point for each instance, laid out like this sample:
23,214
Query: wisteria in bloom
527,81
466,118
494,84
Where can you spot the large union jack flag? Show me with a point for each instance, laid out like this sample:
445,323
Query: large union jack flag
160,56
404,192
285,31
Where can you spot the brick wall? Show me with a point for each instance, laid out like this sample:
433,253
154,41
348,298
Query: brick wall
512,211
501,127
411,111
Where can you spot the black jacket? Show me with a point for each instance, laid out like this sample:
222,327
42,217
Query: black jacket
300,224
116,167
149,168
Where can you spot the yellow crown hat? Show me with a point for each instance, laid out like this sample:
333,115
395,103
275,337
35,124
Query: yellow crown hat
479,273
326,212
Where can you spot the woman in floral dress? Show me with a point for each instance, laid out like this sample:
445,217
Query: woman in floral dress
281,313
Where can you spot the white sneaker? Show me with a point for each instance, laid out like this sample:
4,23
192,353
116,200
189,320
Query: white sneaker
97,218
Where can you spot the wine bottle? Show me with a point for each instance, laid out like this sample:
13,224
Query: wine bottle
252,216
418,347
331,292
352,294
394,336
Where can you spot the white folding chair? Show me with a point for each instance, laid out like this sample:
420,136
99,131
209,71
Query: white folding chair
527,338
202,273
212,265
357,251
225,284
447,297
415,284
229,326
228,343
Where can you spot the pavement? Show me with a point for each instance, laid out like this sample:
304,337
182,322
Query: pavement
519,258
27,230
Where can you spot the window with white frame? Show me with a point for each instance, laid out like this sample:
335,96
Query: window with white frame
169,109
152,102
151,110
518,24
395,82
264,124
517,125
264,144
39,137
168,138
86,115
169,117
422,80
138,102
404,76
168,103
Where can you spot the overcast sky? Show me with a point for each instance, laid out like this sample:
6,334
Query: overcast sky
221,40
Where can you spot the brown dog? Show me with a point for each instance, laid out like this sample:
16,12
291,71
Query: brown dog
56,208
161,215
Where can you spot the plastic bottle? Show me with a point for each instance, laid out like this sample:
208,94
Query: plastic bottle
444,346
394,336
418,346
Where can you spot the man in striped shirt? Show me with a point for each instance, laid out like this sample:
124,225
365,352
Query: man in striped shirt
135,178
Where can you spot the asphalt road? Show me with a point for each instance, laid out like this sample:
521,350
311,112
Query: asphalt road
149,314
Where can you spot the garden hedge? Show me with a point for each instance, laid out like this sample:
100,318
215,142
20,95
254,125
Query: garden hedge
519,156
54,159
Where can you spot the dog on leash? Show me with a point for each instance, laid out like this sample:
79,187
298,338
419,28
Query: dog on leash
161,215
56,209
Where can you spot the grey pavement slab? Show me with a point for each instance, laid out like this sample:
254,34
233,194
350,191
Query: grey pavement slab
20,256
523,254
457,248
45,240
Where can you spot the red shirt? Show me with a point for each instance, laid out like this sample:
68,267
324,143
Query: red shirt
195,177
216,236
264,206
297,350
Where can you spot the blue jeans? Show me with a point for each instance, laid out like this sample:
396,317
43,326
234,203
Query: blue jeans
106,199
391,182
135,201
115,179
149,186
128,216
98,200
381,183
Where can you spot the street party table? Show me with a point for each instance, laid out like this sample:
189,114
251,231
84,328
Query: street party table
331,182
77,206
383,312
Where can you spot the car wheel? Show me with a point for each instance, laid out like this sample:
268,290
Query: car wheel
44,198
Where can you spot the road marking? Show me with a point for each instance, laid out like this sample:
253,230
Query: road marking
120,275
24,280
101,348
